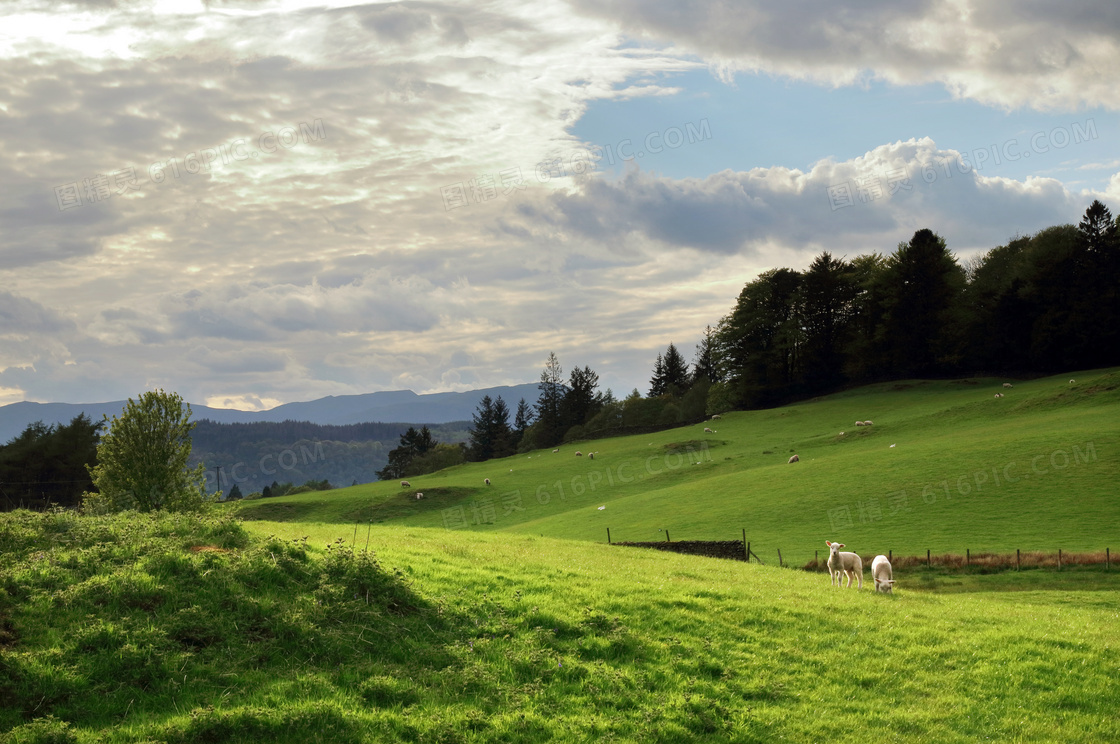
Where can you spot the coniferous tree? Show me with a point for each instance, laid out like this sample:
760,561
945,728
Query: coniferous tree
675,372
549,425
413,444
581,401
704,362
657,382
522,419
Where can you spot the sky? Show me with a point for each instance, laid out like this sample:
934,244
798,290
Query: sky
253,203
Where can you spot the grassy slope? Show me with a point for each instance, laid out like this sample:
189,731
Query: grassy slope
520,638
955,446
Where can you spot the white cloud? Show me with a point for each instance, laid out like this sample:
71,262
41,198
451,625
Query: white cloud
1006,53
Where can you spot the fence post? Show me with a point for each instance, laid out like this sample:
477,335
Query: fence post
967,557
779,557
1016,559
746,546
1107,560
667,536
1059,559
608,536
748,552
928,564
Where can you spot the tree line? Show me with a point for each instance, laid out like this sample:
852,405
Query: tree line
1039,304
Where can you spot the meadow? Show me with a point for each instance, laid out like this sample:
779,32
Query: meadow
362,615
945,467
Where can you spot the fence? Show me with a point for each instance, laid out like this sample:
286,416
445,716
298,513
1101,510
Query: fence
740,550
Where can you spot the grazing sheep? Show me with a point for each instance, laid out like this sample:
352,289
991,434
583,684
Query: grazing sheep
859,423
716,417
406,484
591,456
1071,382
868,423
419,495
1007,384
841,433
579,454
881,573
999,395
795,458
708,431
555,450
849,563
487,481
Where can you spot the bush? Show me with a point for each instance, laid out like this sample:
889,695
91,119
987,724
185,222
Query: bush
574,434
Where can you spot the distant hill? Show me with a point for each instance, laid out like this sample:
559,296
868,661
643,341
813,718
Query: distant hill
386,406
256,454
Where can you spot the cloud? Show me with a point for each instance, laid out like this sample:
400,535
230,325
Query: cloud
1005,53
867,203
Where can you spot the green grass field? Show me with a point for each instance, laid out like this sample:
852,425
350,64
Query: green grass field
1036,470
527,627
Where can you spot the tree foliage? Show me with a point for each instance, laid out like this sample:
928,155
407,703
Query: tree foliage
490,434
413,444
46,465
142,459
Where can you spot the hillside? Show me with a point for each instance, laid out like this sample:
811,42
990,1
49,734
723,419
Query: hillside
173,629
1036,469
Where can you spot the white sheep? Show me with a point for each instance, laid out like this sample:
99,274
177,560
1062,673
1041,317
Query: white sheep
1071,382
708,431
849,563
881,573
487,481
591,456
579,454
859,423
868,423
1007,384
795,458
419,495
999,395
406,484
716,417
555,450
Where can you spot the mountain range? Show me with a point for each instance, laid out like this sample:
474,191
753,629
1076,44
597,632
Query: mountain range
394,406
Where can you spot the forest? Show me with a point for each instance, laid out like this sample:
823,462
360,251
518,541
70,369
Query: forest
1037,305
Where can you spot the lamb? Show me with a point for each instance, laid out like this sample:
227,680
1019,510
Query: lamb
1007,384
881,573
591,456
579,454
419,495
868,423
708,431
999,395
795,458
716,417
487,481
555,450
1072,382
406,484
849,563
859,423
